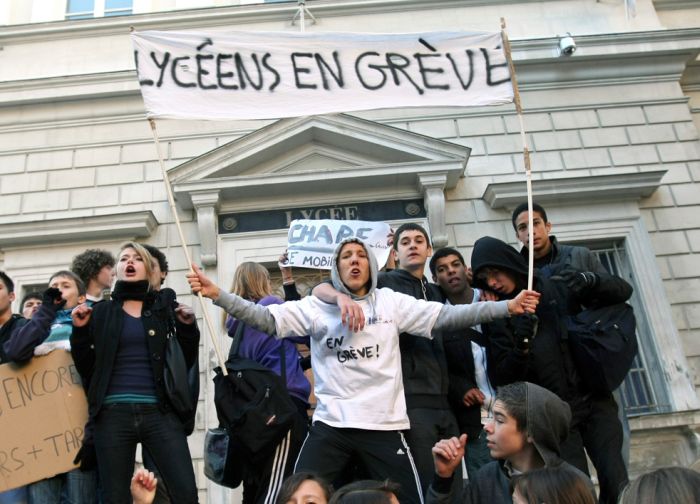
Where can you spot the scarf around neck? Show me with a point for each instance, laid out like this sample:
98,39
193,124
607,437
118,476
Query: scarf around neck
131,291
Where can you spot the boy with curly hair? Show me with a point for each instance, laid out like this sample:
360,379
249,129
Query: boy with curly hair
95,268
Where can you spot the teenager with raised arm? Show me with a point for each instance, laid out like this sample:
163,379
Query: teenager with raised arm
361,409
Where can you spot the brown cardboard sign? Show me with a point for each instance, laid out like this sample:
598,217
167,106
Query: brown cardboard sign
43,410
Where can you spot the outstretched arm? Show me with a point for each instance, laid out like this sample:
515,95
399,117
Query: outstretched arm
463,316
252,314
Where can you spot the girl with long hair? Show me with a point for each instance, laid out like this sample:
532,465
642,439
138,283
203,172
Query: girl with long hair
119,351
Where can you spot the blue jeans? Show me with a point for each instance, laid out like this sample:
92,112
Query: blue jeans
73,487
119,428
14,496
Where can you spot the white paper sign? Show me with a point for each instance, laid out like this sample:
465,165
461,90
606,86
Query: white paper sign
267,75
311,243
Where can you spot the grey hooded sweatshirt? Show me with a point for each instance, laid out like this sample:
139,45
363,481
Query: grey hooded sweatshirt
548,419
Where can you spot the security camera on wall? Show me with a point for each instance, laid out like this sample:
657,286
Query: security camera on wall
567,45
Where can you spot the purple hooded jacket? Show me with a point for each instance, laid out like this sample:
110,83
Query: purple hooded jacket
265,349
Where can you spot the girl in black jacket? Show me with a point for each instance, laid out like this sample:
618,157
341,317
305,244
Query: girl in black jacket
119,348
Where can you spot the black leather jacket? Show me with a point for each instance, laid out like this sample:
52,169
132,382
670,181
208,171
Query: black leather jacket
94,346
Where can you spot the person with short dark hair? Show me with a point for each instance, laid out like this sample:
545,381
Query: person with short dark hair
304,487
49,329
528,427
160,266
95,268
578,270
51,326
471,393
30,304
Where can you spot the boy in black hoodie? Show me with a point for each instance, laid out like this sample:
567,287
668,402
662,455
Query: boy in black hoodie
535,349
529,424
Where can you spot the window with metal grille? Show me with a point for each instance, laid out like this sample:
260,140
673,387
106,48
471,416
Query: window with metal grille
643,391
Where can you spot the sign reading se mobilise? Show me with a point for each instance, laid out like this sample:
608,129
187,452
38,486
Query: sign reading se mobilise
311,243
265,75
43,411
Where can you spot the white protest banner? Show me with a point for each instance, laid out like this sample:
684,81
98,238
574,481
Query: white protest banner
43,411
310,243
268,75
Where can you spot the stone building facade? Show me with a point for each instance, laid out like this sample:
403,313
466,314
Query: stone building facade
613,129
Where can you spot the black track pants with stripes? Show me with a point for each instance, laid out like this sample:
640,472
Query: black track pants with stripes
328,451
262,484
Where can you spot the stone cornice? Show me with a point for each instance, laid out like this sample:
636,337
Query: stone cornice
252,187
75,229
571,190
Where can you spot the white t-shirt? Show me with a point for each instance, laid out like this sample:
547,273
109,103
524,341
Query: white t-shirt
357,376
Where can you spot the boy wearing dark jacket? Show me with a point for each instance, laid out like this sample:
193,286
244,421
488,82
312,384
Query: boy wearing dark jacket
529,424
536,349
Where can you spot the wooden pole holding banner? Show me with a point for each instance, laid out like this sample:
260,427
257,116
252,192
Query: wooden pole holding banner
526,153
173,210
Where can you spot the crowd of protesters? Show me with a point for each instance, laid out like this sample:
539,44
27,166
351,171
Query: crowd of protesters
471,393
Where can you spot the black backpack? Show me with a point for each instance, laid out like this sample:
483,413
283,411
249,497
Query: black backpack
603,344
253,404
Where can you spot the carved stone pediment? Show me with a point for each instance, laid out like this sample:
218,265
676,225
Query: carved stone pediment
318,159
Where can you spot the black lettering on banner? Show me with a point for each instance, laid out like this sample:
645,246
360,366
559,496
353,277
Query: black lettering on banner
424,71
338,76
220,75
207,41
490,68
162,66
470,58
142,82
201,71
373,67
173,72
299,70
271,69
242,72
392,61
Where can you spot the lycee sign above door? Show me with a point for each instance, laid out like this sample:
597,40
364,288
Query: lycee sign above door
245,222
